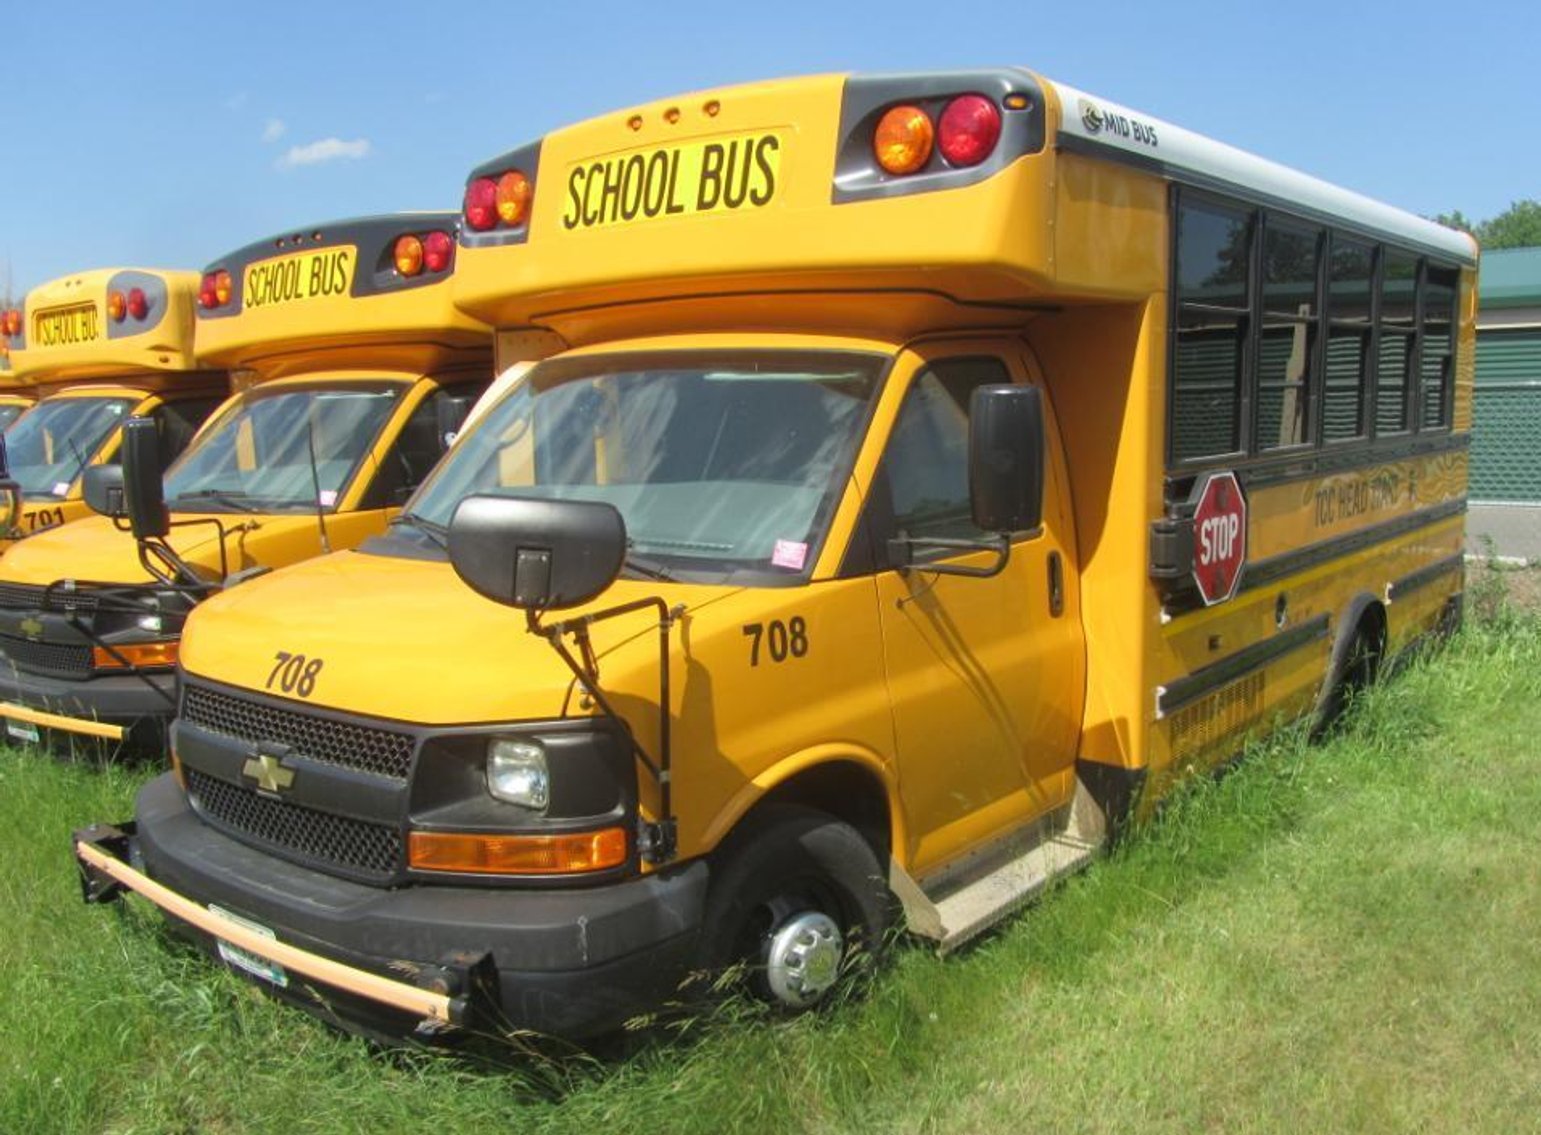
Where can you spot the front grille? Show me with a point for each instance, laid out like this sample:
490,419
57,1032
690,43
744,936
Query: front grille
337,841
367,748
29,597
68,659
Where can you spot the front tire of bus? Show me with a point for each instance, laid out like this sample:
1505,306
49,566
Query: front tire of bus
797,901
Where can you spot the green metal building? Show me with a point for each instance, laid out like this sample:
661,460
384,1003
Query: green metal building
1506,434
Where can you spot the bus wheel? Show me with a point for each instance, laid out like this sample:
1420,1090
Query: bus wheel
797,898
1355,669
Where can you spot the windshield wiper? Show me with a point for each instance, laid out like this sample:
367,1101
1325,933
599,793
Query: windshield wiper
231,498
435,531
648,569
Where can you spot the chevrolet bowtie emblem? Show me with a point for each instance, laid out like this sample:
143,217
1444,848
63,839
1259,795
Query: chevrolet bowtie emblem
269,773
32,628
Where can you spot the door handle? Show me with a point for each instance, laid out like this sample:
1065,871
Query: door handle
1056,585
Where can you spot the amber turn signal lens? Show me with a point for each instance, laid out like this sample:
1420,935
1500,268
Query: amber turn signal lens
139,654
117,306
223,289
513,198
409,255
902,141
517,854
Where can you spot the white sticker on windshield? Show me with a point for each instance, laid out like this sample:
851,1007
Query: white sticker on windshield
790,554
328,498
61,488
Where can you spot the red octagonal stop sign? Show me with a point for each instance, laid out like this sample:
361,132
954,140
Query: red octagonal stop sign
1219,536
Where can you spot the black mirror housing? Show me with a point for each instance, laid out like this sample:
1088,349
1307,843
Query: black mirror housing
144,497
102,488
1006,457
536,554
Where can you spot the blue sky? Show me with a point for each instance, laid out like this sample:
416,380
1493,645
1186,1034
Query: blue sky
164,134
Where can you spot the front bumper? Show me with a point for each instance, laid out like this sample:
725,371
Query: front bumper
572,962
113,707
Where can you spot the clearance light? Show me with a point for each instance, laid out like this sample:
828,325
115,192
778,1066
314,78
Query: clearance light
902,141
117,306
214,290
13,322
517,854
968,130
409,255
138,303
481,211
139,654
437,250
513,198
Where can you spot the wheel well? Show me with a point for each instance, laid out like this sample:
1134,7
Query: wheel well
1372,622
844,790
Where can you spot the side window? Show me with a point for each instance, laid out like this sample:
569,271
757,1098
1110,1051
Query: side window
176,422
1214,246
926,466
1286,372
1393,374
414,452
1350,273
1438,346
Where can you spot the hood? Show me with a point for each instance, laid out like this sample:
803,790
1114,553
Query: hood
93,549
406,639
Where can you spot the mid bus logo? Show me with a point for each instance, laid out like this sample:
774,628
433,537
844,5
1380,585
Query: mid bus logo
1091,117
1219,536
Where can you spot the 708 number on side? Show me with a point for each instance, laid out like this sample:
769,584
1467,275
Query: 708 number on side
781,640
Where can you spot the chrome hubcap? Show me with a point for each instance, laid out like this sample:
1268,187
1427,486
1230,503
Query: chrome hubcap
803,958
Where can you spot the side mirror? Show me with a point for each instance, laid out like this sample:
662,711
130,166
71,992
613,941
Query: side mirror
450,413
144,497
102,487
536,554
1005,458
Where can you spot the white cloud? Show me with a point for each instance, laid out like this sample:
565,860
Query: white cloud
326,150
273,130
236,101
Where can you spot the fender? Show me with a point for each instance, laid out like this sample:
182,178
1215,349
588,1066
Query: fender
784,770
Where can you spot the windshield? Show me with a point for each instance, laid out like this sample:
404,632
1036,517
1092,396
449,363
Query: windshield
719,461
287,447
9,412
50,445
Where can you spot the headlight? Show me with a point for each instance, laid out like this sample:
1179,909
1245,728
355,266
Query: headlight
517,772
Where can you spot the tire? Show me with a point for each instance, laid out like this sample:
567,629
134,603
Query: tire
780,882
1356,672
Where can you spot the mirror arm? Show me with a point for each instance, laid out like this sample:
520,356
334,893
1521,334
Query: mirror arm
658,844
901,548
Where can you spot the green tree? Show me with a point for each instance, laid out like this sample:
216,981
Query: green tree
1519,226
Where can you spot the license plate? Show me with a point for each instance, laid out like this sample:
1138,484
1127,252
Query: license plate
66,326
733,173
21,731
299,276
241,959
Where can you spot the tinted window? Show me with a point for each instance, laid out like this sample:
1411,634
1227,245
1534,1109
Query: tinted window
927,461
1213,250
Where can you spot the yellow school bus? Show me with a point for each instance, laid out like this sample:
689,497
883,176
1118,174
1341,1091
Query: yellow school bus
918,474
351,364
96,348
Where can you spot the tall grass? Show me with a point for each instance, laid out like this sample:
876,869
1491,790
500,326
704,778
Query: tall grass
1333,937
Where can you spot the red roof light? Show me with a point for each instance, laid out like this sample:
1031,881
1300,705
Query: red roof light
481,204
968,130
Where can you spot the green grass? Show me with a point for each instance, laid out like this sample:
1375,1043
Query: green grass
1335,937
